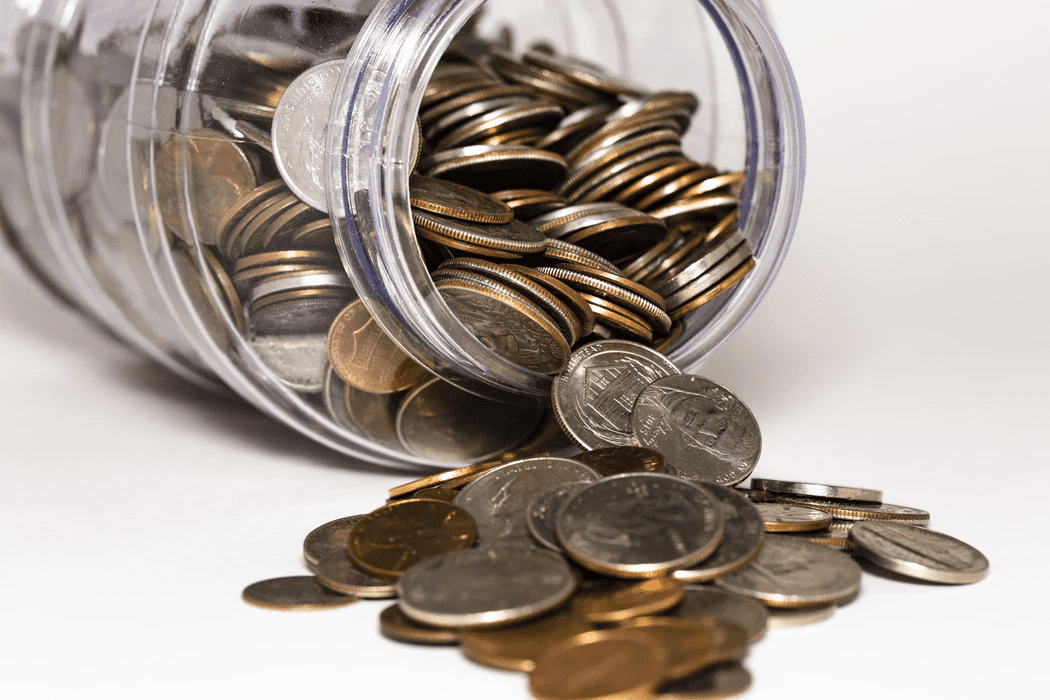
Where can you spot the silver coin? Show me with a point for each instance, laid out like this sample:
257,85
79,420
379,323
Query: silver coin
640,525
802,617
499,498
594,395
338,572
300,124
702,602
918,553
486,586
743,537
719,681
802,488
543,509
439,421
785,517
323,540
703,429
795,573
853,510
299,361
294,593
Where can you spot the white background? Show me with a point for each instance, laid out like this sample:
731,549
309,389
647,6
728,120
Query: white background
903,347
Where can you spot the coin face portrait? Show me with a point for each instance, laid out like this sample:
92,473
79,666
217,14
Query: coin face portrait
630,523
711,419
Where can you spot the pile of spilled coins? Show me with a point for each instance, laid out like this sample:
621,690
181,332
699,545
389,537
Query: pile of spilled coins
642,548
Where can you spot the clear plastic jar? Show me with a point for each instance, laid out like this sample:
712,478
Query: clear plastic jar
91,95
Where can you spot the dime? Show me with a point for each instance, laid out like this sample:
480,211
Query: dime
517,647
721,681
704,430
300,125
793,573
499,498
485,587
443,423
338,572
294,593
542,509
801,488
600,665
610,600
449,199
392,538
640,525
918,553
395,625
625,459
743,538
327,538
366,358
781,517
689,642
708,602
853,510
594,395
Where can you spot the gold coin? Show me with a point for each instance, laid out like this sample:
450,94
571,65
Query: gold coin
517,647
690,643
608,461
294,593
613,600
395,625
365,357
600,665
470,471
437,494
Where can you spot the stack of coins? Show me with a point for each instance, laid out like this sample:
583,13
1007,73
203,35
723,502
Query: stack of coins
631,549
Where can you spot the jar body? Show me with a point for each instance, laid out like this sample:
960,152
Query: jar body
95,104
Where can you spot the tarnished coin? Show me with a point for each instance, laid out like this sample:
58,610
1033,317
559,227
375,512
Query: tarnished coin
842,510
327,538
743,537
640,525
918,553
715,683
392,538
294,593
600,665
781,517
802,488
516,647
594,395
689,642
709,602
395,625
485,586
704,430
441,422
300,125
544,507
499,498
611,600
794,573
338,572
451,199
626,459
365,357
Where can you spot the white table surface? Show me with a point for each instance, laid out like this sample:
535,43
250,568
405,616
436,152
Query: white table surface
904,347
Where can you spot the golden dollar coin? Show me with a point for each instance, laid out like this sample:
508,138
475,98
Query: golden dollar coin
600,665
517,647
613,600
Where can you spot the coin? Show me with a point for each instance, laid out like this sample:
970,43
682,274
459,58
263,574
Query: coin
793,573
611,600
594,395
600,665
709,602
395,625
542,509
499,498
744,535
640,525
485,586
443,423
435,480
624,459
515,236
704,430
449,199
493,168
516,647
714,683
392,538
785,618
294,593
689,642
918,553
366,358
338,572
781,517
327,538
299,129
853,510
801,488
437,494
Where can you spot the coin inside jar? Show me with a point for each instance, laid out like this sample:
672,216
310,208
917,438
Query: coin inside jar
365,357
